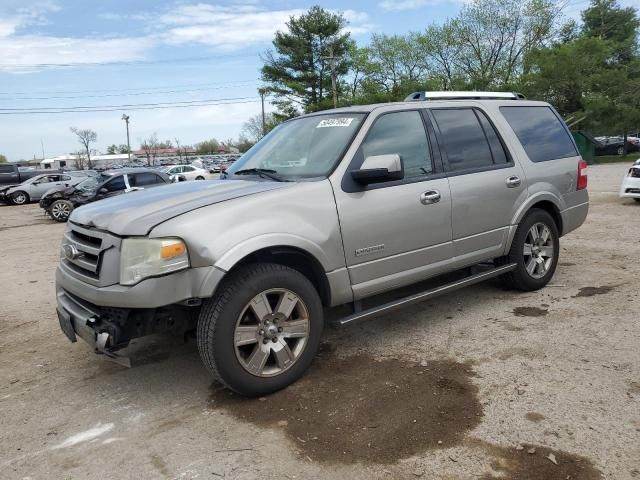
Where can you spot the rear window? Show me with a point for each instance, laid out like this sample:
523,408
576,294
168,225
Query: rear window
6,169
540,132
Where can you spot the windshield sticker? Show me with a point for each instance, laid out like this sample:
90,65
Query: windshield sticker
335,122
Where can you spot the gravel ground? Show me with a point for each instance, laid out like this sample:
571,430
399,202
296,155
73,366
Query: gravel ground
482,383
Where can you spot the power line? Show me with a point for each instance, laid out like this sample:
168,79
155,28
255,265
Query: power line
130,94
121,106
126,89
38,112
124,62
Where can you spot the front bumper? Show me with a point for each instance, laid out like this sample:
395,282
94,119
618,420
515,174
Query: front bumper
630,187
150,293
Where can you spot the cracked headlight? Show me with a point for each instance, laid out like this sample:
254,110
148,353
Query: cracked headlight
142,258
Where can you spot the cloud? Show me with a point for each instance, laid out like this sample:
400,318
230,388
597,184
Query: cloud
399,5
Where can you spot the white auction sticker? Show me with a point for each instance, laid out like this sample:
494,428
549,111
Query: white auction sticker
335,122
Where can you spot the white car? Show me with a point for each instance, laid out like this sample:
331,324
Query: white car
630,187
34,188
189,172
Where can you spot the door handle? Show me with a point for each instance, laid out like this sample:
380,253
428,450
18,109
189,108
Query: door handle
430,197
513,182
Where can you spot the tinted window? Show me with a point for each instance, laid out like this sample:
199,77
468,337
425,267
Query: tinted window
187,168
497,150
464,139
6,169
142,179
116,184
540,132
402,133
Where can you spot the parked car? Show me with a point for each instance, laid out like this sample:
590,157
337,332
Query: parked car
188,172
59,202
328,211
615,146
630,187
11,174
34,188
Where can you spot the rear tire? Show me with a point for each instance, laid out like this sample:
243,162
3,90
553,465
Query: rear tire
535,249
199,177
261,330
620,151
19,197
60,210
637,200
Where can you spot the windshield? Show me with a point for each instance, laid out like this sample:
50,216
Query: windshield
90,185
302,148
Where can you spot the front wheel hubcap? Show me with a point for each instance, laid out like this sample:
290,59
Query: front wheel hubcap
271,332
60,210
538,250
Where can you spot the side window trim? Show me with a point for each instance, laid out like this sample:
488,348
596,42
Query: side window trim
358,159
507,153
443,151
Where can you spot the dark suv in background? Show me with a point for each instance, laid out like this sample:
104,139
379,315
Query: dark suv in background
60,202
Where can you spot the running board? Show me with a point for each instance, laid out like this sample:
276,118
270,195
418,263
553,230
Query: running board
427,294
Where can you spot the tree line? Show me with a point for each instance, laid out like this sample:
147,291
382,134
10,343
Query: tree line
589,70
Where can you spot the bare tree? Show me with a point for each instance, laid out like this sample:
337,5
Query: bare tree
80,160
86,137
150,146
252,128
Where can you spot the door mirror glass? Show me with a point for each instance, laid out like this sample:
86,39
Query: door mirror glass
379,168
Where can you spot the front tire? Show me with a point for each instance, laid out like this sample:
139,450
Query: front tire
60,210
535,249
19,198
199,177
261,330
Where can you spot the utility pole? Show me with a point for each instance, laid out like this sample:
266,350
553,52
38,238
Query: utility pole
333,63
42,145
125,117
263,92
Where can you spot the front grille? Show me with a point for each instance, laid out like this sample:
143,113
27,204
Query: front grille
93,255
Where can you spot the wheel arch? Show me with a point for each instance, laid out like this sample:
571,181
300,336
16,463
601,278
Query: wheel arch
292,256
546,202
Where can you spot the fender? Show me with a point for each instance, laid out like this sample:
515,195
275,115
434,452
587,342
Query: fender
247,247
558,202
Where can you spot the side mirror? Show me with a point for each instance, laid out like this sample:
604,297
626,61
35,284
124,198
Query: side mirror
379,168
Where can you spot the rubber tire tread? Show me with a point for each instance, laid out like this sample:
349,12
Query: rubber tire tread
213,312
519,278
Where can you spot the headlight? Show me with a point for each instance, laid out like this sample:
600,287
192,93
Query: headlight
141,258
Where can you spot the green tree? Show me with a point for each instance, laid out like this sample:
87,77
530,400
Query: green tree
3,159
208,147
607,20
297,69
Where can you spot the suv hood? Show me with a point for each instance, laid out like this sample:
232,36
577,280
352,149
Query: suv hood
136,213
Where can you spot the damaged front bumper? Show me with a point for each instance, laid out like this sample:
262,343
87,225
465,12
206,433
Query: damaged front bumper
108,330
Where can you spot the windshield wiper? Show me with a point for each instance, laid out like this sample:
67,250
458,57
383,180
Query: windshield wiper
261,172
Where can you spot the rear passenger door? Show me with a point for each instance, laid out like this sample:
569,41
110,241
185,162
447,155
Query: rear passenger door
486,184
143,180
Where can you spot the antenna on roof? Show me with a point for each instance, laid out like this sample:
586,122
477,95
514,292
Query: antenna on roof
423,96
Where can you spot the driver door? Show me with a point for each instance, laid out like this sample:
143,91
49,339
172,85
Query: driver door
396,232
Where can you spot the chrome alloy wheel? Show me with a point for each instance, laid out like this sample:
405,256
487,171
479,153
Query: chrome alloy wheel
19,198
271,332
538,250
60,210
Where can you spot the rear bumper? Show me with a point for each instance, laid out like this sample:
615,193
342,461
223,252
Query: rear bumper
574,216
630,187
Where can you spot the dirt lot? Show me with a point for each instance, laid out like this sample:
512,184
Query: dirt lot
483,383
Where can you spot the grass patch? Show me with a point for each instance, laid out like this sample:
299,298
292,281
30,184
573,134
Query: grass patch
616,158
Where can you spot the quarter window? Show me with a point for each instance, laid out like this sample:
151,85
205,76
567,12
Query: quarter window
401,133
541,133
464,139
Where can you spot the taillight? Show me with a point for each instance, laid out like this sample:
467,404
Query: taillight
582,175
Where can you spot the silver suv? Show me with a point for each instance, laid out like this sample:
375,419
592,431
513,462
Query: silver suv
329,210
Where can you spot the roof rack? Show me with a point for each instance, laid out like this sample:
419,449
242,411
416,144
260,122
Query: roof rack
423,96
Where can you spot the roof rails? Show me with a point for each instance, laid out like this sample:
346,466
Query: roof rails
423,96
